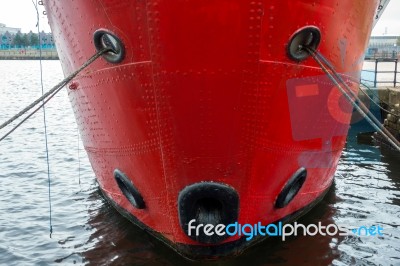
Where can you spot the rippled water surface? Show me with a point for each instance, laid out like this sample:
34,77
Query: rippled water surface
88,231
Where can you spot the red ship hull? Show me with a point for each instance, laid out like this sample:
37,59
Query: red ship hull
206,111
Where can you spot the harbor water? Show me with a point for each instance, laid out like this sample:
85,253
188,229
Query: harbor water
88,231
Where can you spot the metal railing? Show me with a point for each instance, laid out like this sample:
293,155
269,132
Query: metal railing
390,75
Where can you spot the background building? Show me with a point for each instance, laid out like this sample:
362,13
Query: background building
4,29
12,38
383,47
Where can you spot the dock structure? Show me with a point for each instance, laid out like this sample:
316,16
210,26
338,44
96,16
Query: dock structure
384,81
28,54
390,100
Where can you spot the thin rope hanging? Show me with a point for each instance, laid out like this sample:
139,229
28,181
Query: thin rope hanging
44,117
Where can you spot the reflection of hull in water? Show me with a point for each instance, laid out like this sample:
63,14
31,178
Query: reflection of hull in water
229,248
119,243
205,116
117,240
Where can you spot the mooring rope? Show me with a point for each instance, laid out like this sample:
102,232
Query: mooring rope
48,95
377,104
375,94
44,117
329,70
79,157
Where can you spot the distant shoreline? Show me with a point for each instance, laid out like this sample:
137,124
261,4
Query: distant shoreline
25,58
29,54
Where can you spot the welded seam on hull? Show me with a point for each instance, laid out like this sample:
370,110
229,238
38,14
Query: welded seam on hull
287,149
157,105
249,90
290,64
134,149
101,71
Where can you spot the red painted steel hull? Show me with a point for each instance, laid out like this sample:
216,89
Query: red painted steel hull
206,92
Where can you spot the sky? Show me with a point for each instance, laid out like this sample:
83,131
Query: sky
22,14
390,20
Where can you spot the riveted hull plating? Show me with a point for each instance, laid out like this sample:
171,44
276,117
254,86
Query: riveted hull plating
207,92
